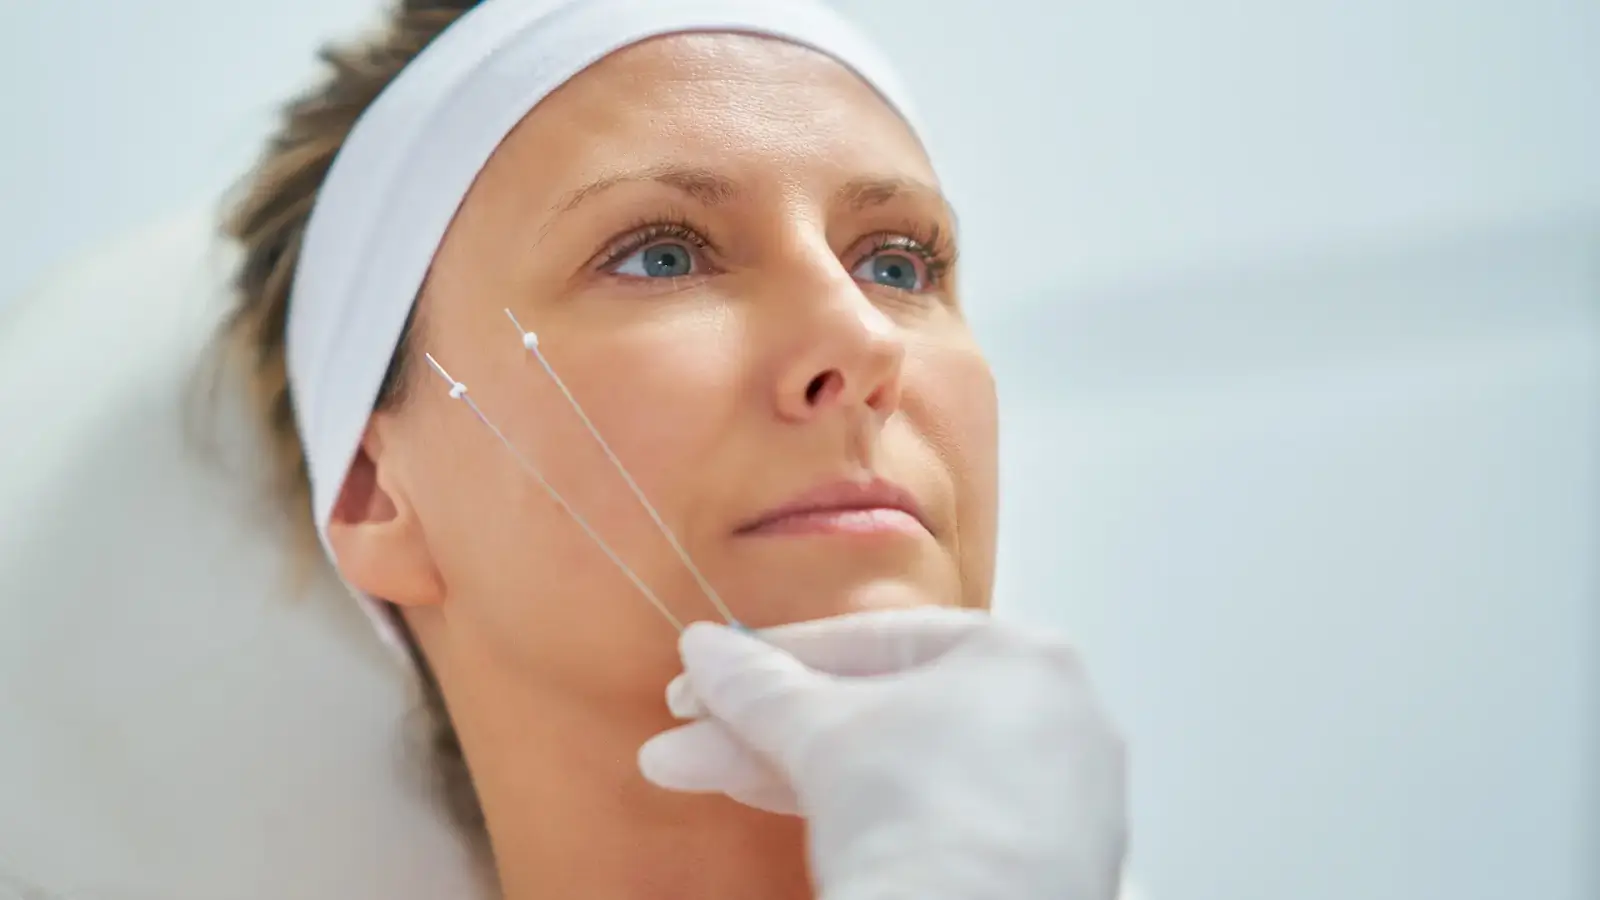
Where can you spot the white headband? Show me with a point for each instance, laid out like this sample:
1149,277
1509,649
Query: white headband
407,165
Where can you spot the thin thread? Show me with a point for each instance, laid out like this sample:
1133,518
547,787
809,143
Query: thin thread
458,391
638,493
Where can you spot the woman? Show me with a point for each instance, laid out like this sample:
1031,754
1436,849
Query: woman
733,249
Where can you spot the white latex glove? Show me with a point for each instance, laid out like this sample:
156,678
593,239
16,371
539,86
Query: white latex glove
936,754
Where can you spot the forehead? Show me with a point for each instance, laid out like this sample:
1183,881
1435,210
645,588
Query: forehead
740,104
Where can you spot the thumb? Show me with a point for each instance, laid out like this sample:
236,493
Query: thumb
756,690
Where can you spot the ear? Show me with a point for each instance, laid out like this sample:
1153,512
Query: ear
376,536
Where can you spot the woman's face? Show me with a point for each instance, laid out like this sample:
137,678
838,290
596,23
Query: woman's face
737,257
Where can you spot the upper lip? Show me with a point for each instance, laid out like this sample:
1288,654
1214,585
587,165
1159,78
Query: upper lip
844,496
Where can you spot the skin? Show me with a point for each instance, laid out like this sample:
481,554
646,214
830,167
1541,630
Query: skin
782,358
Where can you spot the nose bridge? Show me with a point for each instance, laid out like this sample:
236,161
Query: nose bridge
849,315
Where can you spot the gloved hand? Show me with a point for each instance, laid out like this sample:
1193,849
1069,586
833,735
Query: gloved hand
936,754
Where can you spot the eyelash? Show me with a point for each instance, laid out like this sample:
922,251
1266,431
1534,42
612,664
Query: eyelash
928,243
652,231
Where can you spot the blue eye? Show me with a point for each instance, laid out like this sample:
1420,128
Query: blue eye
890,269
666,259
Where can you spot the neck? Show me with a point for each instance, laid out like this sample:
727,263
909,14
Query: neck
569,815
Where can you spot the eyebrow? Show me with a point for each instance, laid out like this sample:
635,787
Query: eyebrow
703,185
711,188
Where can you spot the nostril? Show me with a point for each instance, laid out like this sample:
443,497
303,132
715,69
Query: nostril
814,389
821,386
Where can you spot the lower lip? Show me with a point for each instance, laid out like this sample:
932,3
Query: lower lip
844,522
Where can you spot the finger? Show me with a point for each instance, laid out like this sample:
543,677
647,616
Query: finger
760,692
702,757
856,645
877,642
683,702
774,796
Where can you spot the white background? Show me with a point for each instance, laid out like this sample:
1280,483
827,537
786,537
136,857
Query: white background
1297,311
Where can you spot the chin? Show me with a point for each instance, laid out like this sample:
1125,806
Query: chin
879,594
787,582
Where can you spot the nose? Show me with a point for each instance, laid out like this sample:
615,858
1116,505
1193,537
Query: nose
849,355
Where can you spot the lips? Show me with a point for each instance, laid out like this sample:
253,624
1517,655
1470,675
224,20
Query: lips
844,506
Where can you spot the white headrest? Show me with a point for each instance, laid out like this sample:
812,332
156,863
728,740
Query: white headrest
174,722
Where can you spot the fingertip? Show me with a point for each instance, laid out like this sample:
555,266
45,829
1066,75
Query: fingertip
697,633
701,757
646,759
658,762
715,641
682,701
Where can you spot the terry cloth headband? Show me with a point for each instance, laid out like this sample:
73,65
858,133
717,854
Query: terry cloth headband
408,163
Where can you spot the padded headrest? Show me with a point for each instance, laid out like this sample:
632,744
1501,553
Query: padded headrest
177,718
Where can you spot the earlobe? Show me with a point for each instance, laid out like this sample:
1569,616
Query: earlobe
376,538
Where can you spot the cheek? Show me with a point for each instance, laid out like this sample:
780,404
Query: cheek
951,391
665,398
510,555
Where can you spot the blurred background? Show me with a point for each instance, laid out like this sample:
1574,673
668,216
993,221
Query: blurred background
1296,307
